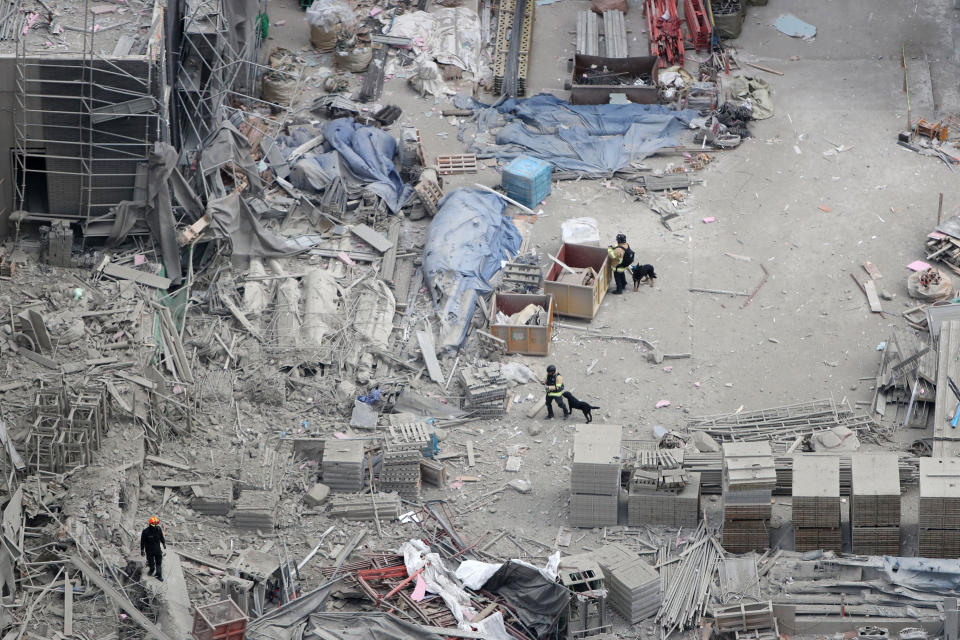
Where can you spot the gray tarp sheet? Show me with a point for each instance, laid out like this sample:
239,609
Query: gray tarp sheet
367,152
241,19
924,574
229,145
157,209
464,245
232,219
364,626
289,622
590,138
950,226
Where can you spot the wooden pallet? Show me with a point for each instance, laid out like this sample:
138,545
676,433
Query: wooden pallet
457,163
614,34
588,33
430,194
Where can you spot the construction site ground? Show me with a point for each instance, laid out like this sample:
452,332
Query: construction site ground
809,333
811,219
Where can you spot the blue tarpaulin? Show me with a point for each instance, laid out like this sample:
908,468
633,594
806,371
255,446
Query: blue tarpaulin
368,153
597,138
360,155
465,244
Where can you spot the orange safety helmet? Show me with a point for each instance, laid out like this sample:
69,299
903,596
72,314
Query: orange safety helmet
154,520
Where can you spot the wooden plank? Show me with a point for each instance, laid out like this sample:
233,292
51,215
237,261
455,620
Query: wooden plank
375,239
168,463
153,631
123,46
235,311
870,288
427,349
141,277
115,394
872,270
945,437
535,409
470,461
200,559
143,382
177,482
67,607
42,360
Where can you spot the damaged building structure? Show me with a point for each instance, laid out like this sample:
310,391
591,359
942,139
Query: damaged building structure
288,275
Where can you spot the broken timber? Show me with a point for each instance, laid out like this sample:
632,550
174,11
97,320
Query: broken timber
142,277
425,339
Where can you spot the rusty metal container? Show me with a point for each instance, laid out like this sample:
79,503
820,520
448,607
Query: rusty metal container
531,340
577,300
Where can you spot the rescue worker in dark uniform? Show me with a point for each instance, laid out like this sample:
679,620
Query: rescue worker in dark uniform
151,538
554,388
620,256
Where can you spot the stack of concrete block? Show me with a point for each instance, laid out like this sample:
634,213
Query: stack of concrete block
343,462
939,514
215,499
595,475
875,504
653,505
255,510
633,586
375,506
634,589
400,470
484,391
816,503
749,477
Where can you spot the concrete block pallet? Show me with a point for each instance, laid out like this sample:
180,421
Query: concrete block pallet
595,475
875,504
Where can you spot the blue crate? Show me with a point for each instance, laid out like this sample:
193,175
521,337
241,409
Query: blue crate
527,180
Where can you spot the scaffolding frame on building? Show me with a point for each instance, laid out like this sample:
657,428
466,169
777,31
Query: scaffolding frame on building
210,77
90,139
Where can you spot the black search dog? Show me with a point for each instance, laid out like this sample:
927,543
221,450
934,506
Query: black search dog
642,272
586,407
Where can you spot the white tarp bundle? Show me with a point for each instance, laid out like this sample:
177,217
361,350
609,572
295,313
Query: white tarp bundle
449,35
443,582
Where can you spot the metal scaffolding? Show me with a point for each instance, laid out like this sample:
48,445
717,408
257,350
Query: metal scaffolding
85,126
216,75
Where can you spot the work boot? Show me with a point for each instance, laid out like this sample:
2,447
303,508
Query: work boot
566,414
549,416
617,292
159,577
150,573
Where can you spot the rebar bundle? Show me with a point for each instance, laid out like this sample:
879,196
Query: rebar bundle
685,599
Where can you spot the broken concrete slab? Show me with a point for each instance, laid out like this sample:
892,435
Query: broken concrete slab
521,485
317,494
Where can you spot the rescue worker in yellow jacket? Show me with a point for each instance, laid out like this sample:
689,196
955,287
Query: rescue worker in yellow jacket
621,255
554,388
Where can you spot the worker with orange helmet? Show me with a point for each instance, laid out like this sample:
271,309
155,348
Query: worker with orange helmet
151,538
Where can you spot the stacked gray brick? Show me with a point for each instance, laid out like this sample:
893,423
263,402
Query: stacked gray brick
875,504
595,475
816,503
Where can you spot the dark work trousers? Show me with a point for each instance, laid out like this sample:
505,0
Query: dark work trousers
559,400
620,277
154,562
